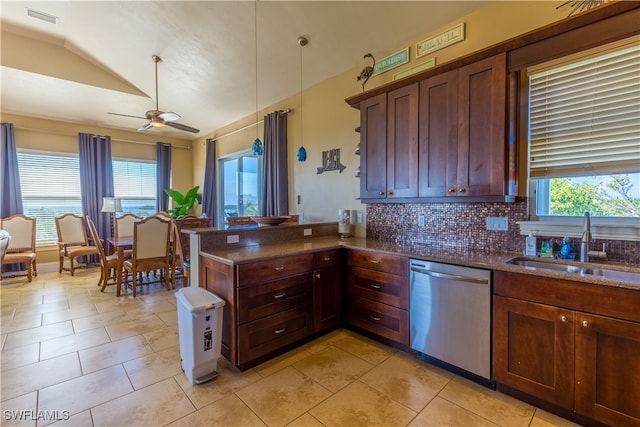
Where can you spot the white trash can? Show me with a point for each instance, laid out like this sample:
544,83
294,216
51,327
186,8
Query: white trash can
200,333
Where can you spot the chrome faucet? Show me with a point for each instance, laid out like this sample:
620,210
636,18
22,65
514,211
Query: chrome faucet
586,238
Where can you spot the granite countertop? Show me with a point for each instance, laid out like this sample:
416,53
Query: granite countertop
487,260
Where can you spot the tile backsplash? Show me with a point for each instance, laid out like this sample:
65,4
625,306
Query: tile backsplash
462,226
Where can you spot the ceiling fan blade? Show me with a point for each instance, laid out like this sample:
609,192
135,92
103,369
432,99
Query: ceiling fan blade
168,116
145,127
127,115
182,127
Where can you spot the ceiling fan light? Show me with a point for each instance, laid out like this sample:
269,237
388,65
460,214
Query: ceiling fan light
156,123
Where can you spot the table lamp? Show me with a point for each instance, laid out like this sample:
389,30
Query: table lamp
111,205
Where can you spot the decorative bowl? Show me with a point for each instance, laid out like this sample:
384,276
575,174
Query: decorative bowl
270,220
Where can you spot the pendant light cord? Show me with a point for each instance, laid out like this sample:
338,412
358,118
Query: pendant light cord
255,34
301,110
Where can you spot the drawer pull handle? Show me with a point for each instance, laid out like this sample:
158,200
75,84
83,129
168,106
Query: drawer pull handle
280,268
375,318
462,190
328,258
280,295
374,285
375,261
585,323
279,331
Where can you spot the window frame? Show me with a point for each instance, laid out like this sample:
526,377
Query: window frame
629,223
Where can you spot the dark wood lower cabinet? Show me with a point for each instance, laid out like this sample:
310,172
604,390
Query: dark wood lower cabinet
562,352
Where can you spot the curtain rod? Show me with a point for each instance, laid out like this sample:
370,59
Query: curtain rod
288,110
131,141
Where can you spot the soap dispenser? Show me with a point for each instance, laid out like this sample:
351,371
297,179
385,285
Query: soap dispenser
530,245
566,249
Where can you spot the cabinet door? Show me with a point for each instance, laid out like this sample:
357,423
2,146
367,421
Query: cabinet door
373,147
327,298
481,128
402,142
438,130
608,370
533,349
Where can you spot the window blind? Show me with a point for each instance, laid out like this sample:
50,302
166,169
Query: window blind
50,186
134,183
584,117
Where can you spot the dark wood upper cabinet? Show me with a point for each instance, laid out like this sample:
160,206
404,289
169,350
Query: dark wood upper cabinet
440,138
373,147
402,142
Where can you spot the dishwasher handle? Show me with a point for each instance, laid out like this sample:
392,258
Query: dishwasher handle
448,276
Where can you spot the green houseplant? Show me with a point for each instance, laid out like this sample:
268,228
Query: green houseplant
183,203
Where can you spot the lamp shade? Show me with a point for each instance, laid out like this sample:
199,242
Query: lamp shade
111,204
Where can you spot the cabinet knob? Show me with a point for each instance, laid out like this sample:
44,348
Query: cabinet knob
451,189
585,323
317,275
563,318
390,192
382,193
462,190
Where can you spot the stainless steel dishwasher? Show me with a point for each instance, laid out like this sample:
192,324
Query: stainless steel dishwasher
450,316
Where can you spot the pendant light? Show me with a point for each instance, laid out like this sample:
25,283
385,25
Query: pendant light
302,153
256,147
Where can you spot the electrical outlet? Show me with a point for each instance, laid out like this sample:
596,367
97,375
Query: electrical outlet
308,231
233,238
498,223
359,217
421,220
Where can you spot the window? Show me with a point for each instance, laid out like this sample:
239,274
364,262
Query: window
134,183
584,133
240,183
50,185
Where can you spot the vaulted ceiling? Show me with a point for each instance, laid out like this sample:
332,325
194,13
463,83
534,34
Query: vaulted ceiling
97,56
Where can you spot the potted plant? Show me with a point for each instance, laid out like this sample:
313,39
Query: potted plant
183,203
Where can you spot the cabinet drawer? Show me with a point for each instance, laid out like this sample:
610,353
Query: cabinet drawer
328,258
268,334
382,262
380,319
262,271
272,297
377,286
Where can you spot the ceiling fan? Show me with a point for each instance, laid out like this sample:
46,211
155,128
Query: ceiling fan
159,118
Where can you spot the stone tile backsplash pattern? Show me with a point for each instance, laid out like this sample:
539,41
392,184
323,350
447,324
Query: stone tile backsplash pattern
462,226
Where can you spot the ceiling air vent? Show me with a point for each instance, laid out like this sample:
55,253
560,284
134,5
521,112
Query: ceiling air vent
42,16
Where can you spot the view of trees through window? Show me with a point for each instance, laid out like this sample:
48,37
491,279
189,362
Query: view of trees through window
606,195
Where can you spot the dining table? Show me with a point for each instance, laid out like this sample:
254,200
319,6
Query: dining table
120,244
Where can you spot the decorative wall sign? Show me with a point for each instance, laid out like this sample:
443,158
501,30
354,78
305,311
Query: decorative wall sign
420,67
391,61
446,38
331,161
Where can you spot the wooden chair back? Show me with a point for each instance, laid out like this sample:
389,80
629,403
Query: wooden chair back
72,230
151,238
123,225
22,229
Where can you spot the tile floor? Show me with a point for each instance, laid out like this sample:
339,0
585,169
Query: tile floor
73,356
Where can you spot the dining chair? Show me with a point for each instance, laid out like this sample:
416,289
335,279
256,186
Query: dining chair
21,248
108,263
5,237
123,227
72,240
150,250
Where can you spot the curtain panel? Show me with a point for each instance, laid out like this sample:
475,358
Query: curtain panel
96,179
10,192
275,183
163,175
209,193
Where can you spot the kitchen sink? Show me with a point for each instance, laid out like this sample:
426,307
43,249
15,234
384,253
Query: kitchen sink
605,273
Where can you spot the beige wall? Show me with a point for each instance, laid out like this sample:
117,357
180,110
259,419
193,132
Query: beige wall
328,122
